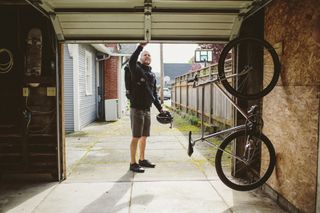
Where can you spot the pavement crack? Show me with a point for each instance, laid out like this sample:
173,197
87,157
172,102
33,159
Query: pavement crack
130,200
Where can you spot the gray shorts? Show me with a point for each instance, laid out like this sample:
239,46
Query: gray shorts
140,122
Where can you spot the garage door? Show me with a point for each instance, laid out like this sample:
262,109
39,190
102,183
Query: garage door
136,20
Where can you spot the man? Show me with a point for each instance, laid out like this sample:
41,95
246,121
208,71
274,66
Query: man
143,95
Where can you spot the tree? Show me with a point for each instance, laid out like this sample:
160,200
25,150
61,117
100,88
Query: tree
194,66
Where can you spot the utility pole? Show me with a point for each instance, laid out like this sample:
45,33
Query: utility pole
161,73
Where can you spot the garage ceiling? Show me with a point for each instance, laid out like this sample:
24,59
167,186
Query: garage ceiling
137,20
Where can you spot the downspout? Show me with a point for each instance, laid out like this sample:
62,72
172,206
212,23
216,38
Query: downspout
100,99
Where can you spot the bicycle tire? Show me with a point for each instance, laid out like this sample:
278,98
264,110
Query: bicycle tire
235,183
222,74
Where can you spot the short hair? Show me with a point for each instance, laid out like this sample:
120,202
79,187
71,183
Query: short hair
144,52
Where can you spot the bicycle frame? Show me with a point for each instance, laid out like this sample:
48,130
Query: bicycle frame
235,128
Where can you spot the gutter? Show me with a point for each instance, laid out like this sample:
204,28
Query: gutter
102,48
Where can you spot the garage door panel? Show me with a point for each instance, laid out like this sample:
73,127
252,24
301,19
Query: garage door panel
193,17
101,17
179,25
102,25
103,32
145,19
183,4
178,32
95,3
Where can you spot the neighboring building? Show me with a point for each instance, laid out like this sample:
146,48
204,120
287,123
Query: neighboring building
93,83
115,90
80,86
126,50
173,70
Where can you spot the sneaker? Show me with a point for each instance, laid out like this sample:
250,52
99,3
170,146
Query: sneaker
136,168
146,163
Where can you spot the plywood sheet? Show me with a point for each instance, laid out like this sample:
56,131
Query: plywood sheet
291,110
290,23
291,122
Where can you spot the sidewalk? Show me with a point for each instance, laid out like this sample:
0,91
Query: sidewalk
99,179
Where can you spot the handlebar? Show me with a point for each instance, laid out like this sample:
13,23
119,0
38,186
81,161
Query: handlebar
195,79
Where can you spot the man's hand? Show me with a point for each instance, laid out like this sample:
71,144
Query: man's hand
143,44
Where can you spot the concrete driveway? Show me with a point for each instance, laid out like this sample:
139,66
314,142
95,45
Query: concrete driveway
99,179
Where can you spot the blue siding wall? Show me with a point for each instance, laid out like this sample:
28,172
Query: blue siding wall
68,91
88,105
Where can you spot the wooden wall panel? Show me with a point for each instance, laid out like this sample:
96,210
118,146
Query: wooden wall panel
291,122
290,22
291,110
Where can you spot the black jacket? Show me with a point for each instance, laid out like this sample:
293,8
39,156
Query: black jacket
141,97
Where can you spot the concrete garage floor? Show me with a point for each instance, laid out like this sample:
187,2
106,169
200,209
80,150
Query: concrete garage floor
99,179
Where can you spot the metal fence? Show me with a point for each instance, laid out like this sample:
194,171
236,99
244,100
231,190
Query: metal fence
188,99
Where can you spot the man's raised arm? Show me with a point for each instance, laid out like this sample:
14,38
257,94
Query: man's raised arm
134,57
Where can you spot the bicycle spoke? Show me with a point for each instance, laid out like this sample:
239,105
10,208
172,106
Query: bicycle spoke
243,84
248,167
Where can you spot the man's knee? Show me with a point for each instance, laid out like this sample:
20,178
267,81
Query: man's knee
135,139
143,138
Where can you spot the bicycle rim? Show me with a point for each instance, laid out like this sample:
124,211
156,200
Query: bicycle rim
244,176
260,64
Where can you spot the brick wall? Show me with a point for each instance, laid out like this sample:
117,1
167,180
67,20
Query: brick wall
111,78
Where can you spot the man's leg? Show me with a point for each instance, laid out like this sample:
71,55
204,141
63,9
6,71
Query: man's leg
136,126
133,149
134,166
145,133
142,142
142,161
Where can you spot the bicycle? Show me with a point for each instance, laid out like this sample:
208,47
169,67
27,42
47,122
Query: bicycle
251,165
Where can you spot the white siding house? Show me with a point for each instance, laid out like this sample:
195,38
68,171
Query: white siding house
68,91
84,83
80,87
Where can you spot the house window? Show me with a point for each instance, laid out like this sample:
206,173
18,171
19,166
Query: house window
88,72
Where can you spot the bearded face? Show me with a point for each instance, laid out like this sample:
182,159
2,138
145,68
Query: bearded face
145,58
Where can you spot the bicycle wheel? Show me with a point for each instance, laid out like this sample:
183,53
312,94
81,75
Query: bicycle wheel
245,170
260,56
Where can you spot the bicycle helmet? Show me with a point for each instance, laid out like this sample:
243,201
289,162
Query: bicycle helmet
164,117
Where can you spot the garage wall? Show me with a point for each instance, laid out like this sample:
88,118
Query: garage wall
28,124
10,93
291,110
